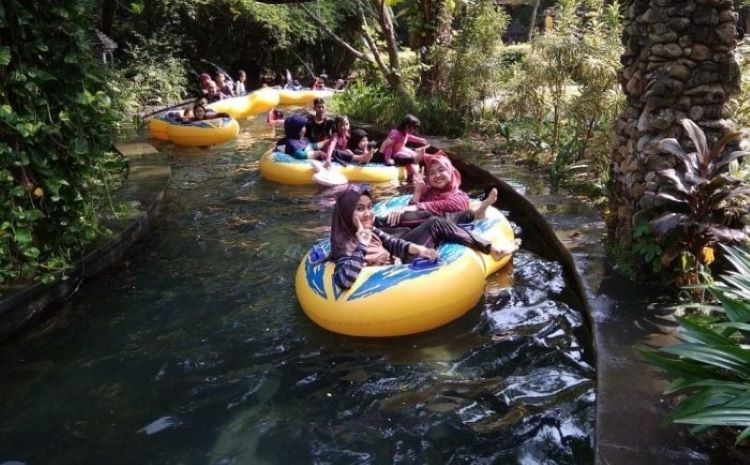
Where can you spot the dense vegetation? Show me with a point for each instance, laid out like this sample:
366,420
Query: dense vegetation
711,365
58,110
552,101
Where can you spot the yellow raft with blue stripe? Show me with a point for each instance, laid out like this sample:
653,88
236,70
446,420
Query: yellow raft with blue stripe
285,169
396,300
201,133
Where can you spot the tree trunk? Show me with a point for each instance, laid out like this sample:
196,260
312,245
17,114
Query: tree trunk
109,7
434,33
532,24
678,63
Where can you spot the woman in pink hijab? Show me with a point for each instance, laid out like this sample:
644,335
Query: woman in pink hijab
439,196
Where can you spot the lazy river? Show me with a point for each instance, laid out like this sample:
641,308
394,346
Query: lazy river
195,350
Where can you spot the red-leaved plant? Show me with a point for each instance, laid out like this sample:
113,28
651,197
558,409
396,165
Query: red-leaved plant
700,203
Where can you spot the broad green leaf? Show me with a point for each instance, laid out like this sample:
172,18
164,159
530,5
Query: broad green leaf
687,369
4,55
728,357
735,309
700,402
742,436
726,416
23,236
697,333
31,252
136,7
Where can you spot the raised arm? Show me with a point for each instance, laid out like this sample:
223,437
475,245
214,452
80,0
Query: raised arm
416,139
457,202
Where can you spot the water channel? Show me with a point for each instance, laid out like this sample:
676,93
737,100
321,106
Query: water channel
195,351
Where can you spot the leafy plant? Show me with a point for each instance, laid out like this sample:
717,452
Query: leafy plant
152,74
568,80
712,363
476,59
701,203
58,111
647,247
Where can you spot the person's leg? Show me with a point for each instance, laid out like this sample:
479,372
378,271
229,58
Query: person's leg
480,212
436,230
463,217
406,158
408,219
342,157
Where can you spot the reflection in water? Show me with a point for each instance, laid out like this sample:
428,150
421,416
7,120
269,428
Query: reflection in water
196,352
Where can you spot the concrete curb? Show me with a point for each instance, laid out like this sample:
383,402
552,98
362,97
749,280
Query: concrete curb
143,192
620,313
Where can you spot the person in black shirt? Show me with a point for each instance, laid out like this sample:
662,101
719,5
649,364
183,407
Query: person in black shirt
319,127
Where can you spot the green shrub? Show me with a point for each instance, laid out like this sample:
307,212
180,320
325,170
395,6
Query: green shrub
699,204
711,365
58,112
152,75
568,83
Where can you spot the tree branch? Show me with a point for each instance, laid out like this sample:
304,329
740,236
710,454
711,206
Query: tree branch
328,30
386,25
370,42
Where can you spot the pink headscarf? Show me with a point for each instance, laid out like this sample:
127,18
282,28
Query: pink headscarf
433,194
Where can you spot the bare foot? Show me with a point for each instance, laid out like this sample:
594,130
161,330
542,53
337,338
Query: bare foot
497,253
481,212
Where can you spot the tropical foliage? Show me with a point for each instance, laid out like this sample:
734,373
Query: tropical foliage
165,44
58,110
568,84
711,365
701,203
473,64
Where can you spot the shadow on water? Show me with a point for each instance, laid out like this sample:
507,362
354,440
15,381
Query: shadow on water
195,351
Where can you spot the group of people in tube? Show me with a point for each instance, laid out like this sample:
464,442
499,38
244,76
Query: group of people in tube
435,215
327,140
223,87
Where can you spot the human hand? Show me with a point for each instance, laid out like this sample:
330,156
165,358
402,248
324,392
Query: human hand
327,164
419,184
428,253
363,234
394,218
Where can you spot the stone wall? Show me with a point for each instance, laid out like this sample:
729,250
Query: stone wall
678,63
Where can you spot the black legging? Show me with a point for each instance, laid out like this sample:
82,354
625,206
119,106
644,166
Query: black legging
437,230
412,219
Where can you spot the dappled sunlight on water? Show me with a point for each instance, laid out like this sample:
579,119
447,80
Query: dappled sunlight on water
195,351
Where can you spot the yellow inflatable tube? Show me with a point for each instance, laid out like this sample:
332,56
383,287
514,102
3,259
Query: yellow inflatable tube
259,101
159,127
302,97
396,300
284,169
205,132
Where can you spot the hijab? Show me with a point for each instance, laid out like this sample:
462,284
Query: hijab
453,187
293,129
356,136
344,233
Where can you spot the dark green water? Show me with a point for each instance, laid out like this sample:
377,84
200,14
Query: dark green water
195,351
